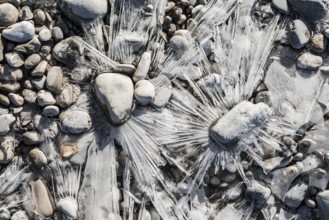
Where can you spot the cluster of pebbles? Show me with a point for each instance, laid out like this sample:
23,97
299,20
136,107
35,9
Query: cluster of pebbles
53,97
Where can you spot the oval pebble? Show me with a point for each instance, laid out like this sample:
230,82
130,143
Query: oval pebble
51,111
144,92
75,121
20,32
8,14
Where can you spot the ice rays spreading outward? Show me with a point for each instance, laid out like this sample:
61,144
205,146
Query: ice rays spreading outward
192,125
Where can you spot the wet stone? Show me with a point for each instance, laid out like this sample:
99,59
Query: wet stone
313,10
19,32
75,121
10,74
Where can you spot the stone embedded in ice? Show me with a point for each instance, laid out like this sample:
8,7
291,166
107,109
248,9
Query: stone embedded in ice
258,194
69,207
239,122
296,195
115,93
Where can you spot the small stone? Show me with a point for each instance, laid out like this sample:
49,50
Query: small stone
326,33
25,13
20,32
162,96
30,47
7,149
298,34
264,97
32,60
258,194
143,66
28,84
5,214
45,98
29,96
231,168
54,80
4,100
8,14
10,74
281,5
42,198
144,92
20,215
75,121
68,51
45,34
57,34
15,99
309,61
182,19
214,181
179,44
318,43
1,47
192,2
68,95
69,207
51,111
68,149
14,59
296,195
32,137
39,17
169,6
39,82
114,92
313,10
40,69
125,68
9,87
310,203
7,121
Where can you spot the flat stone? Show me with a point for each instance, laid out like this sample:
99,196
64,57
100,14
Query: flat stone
125,68
15,99
81,11
144,92
45,98
8,14
179,44
51,111
313,10
32,60
191,73
298,34
39,82
32,138
54,80
30,47
143,66
309,61
68,96
281,5
242,119
14,59
6,122
9,87
20,32
40,69
75,121
114,92
10,74
25,13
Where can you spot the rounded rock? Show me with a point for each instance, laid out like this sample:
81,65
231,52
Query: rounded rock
309,61
20,215
32,137
57,34
7,150
25,13
144,92
54,80
7,121
8,14
32,60
298,34
45,34
20,32
69,207
51,111
68,149
45,98
10,74
75,121
14,59
179,44
15,99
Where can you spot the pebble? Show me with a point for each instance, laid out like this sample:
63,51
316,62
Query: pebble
313,10
20,32
7,121
32,60
9,87
40,69
42,198
4,100
8,14
264,97
68,95
231,168
318,43
45,98
143,67
25,13
69,207
39,17
114,92
75,121
60,51
310,203
68,149
14,59
214,181
54,80
30,47
258,194
4,214
309,61
324,70
51,111
7,149
1,47
32,138
29,96
9,74
125,68
196,10
191,73
20,215
39,82
144,92
57,34
281,5
45,34
15,99
162,96
298,34
81,11
296,195
179,44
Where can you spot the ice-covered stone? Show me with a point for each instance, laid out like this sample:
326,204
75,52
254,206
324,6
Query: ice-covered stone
143,66
144,92
239,122
309,61
69,207
114,92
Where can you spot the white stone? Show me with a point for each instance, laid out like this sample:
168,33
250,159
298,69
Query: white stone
144,92
75,121
45,34
45,98
6,122
143,66
69,207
